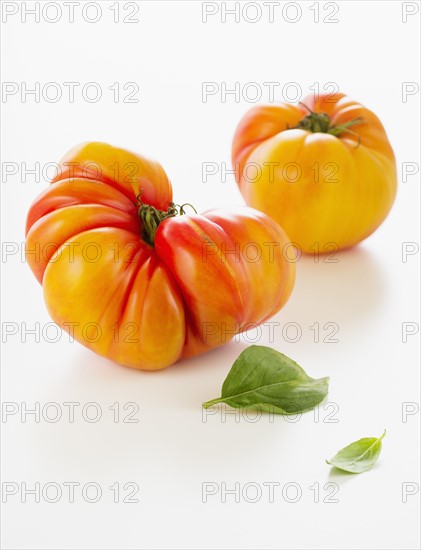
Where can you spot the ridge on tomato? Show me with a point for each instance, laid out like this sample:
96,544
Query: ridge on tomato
323,169
138,283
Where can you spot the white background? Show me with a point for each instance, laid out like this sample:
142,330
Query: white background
369,293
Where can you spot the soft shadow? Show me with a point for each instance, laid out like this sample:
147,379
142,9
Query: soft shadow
339,476
189,381
348,290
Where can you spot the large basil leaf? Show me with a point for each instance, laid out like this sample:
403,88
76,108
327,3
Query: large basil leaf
262,378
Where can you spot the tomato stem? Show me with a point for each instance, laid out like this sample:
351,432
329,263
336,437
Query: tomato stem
320,122
152,217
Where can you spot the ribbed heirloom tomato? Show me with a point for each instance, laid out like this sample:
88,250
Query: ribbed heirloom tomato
323,169
138,283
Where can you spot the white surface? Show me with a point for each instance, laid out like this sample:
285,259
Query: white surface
369,293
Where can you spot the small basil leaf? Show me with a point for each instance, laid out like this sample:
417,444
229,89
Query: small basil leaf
262,378
358,457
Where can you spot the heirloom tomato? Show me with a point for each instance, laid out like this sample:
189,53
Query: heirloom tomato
323,169
133,277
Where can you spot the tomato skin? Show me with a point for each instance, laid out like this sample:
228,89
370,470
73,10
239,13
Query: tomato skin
322,189
148,306
212,258
125,171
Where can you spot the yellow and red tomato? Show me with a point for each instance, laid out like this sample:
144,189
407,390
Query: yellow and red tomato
323,169
139,284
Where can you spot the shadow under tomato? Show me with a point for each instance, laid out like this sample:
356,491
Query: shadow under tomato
346,288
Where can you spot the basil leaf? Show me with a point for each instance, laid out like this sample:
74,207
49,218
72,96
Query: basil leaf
262,378
358,457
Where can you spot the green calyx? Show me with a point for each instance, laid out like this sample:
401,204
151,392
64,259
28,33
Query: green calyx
320,122
152,217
